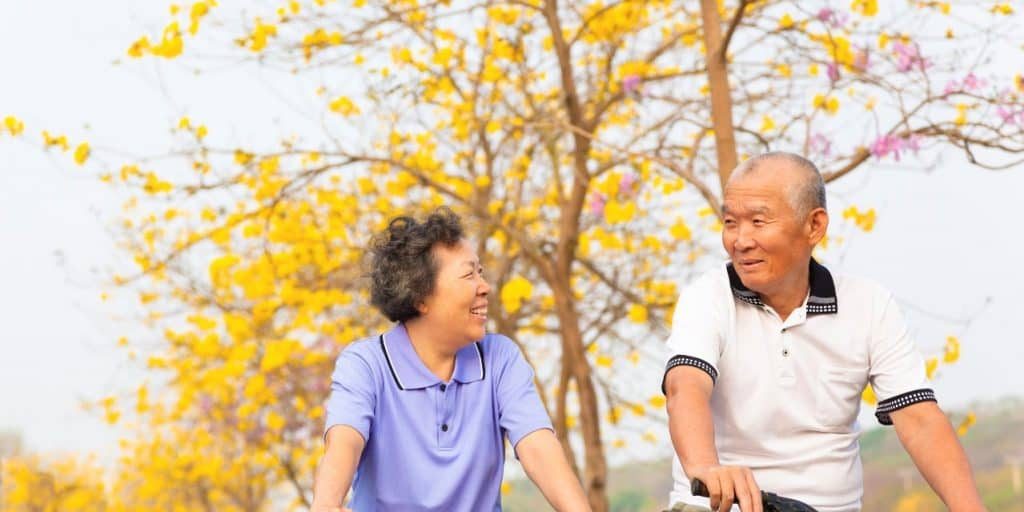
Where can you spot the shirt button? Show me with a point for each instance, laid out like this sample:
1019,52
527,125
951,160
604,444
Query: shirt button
444,427
443,387
785,352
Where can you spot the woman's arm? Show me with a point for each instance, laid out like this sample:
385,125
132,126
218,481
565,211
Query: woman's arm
544,461
337,468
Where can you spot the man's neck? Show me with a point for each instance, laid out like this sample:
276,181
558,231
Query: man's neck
790,296
439,359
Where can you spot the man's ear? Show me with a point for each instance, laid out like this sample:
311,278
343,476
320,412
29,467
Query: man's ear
817,226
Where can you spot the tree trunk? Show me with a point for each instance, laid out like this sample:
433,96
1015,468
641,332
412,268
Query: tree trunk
721,96
595,472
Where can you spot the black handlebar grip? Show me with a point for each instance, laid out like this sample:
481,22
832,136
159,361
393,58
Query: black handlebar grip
697,488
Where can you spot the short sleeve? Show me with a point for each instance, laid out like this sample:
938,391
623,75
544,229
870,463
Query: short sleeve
697,326
520,410
897,372
353,394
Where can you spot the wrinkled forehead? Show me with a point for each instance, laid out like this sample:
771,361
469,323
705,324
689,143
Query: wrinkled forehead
744,198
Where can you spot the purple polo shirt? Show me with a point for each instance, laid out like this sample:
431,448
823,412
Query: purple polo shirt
432,445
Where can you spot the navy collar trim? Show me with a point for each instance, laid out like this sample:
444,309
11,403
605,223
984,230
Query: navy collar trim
822,299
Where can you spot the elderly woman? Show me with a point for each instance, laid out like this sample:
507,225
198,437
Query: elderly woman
418,415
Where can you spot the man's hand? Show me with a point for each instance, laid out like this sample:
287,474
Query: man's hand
730,484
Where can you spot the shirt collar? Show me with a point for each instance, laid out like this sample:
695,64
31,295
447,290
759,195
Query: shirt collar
408,369
820,300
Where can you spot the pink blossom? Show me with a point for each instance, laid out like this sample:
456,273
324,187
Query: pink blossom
821,145
833,71
972,82
597,202
913,142
861,60
951,87
628,184
908,58
1009,116
631,84
890,144
832,18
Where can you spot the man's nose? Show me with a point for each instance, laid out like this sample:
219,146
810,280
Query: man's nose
744,238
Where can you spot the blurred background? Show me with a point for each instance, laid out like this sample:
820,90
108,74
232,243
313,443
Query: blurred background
186,190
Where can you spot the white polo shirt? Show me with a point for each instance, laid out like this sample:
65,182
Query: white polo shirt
787,391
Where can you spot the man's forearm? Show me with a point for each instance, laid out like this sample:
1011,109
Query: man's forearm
691,429
931,442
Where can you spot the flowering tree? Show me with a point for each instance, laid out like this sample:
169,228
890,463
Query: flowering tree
587,144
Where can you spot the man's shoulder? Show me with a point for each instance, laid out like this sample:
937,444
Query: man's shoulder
855,287
711,282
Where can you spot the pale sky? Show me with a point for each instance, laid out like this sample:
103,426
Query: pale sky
945,242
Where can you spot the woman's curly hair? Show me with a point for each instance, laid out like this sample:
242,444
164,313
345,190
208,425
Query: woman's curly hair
402,266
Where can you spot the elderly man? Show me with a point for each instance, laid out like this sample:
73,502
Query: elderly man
773,351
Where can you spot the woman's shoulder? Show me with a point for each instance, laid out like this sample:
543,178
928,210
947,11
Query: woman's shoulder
499,349
495,341
366,351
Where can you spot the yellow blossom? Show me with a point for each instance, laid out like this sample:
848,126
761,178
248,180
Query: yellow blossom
55,140
514,292
14,125
952,350
829,104
680,231
867,8
966,424
344,106
637,313
868,396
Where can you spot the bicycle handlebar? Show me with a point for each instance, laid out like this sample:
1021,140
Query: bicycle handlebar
771,502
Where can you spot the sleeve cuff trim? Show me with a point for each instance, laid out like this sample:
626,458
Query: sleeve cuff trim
887,406
696,362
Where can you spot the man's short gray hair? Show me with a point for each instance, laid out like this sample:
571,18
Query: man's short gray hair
807,195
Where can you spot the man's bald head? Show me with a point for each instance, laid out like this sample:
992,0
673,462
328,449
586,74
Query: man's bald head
803,183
